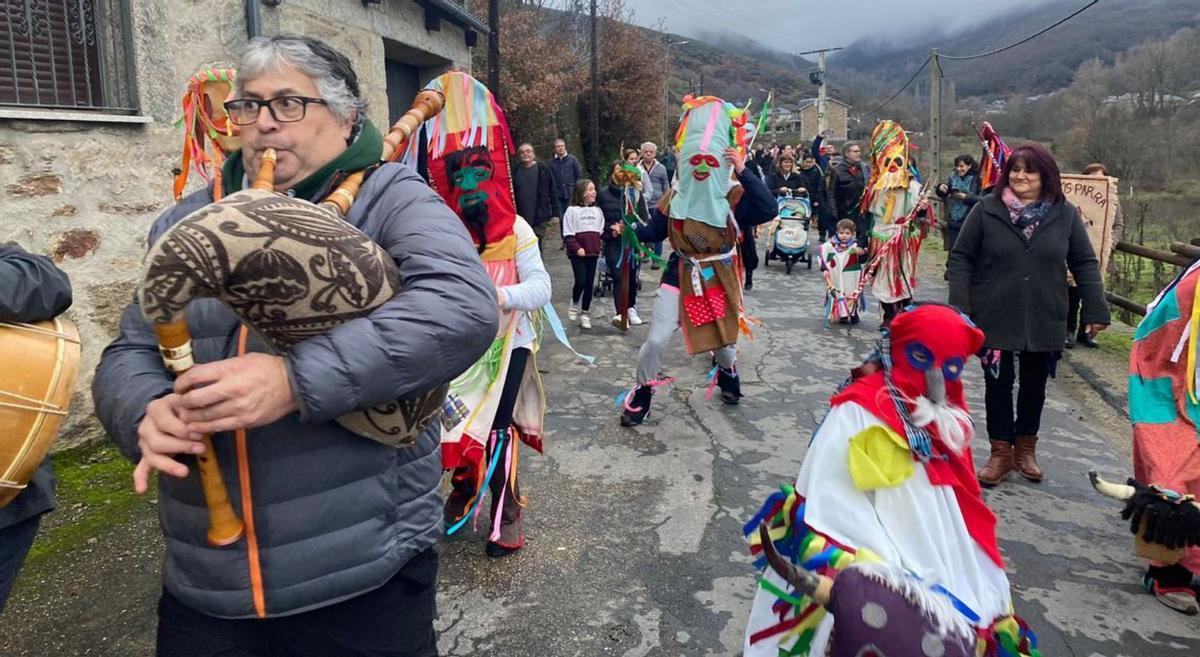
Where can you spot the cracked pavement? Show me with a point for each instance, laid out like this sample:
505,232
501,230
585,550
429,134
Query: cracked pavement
634,535
634,543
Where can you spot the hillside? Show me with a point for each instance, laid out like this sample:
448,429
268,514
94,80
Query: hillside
1042,65
736,76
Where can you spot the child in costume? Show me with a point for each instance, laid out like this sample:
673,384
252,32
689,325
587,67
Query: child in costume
892,195
583,224
888,478
701,292
498,403
841,264
621,200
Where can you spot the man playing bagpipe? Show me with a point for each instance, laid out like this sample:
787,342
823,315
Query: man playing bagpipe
319,344
888,478
701,291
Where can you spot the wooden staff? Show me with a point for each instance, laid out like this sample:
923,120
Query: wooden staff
224,526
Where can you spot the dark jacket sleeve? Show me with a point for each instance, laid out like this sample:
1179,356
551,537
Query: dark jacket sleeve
654,230
130,374
32,288
438,326
758,204
1085,268
960,266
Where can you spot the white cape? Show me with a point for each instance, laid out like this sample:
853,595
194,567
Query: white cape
915,525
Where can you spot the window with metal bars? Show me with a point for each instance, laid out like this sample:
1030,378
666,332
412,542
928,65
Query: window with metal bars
67,55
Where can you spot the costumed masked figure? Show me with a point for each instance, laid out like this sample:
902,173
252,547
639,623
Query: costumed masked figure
701,291
892,195
204,119
888,478
1164,406
498,403
841,263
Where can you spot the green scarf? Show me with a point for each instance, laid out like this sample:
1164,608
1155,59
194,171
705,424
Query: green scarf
367,149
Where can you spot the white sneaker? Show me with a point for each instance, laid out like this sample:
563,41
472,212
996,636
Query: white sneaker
634,320
572,314
585,321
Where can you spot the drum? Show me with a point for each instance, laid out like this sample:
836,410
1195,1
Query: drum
38,367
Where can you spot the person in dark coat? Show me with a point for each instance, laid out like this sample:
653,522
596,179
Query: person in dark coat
340,531
1008,272
567,172
784,178
961,193
535,192
814,177
32,289
848,180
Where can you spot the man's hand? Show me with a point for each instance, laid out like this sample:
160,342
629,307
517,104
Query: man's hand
237,393
736,159
161,434
1093,330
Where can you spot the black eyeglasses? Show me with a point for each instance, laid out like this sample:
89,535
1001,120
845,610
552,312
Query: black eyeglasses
284,109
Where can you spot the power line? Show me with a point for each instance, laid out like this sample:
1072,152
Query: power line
901,89
1028,38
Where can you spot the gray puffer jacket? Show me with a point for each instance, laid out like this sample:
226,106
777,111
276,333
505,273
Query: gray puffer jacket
334,515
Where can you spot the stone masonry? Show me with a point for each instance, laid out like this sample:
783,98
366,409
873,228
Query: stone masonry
86,192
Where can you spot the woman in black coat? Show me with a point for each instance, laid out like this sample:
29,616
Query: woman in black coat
785,178
1008,271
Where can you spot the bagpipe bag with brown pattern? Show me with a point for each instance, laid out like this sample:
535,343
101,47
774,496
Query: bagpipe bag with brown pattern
290,270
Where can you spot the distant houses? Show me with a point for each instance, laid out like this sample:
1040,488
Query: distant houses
800,121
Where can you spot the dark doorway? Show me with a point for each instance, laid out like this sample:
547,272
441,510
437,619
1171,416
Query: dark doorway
403,83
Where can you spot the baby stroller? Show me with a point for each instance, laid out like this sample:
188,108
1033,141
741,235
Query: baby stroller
789,232
604,279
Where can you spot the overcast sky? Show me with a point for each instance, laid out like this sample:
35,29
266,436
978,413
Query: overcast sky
796,25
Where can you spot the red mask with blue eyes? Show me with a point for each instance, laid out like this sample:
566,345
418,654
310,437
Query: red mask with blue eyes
930,348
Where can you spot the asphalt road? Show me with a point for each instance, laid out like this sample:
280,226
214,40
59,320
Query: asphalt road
634,543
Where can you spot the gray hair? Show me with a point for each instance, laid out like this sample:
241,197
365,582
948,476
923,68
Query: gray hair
650,145
329,69
850,144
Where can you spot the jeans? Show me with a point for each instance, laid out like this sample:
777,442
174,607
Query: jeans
15,542
394,620
584,269
663,325
1034,370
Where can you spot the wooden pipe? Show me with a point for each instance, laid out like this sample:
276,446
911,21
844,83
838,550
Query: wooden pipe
224,526
265,180
426,105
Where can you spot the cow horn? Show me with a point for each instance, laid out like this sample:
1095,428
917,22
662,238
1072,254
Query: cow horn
804,582
1116,491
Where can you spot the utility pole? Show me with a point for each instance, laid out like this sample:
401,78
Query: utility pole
494,48
819,80
594,156
935,116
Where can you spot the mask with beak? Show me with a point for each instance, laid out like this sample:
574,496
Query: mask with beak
923,358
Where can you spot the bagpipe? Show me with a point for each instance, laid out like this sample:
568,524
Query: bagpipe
289,269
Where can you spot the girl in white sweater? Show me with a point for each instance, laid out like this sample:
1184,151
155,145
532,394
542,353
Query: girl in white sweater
583,223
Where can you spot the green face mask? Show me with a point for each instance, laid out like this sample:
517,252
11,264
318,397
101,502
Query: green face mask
468,180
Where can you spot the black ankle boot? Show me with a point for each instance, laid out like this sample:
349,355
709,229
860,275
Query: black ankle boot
730,385
637,406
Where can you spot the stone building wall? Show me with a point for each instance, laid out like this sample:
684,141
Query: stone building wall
836,119
86,192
